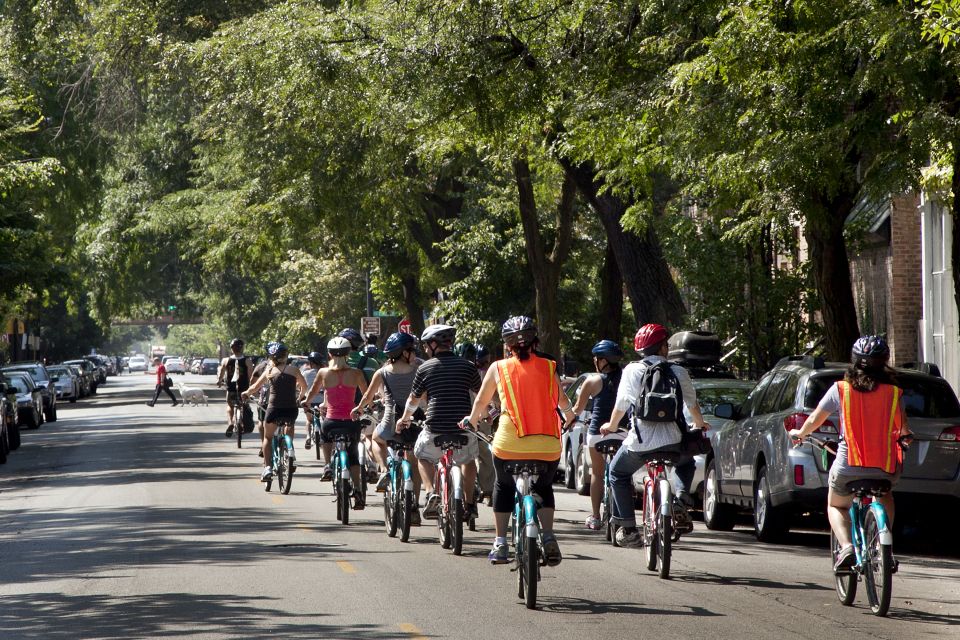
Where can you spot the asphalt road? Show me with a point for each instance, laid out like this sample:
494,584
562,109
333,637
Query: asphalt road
122,521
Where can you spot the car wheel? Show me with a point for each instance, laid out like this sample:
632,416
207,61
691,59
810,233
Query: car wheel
13,430
569,481
32,419
769,522
716,515
51,414
581,473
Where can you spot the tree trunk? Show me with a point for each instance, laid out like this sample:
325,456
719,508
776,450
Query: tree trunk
545,269
653,293
611,298
831,275
411,301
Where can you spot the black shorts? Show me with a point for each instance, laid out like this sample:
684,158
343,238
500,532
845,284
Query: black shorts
351,428
275,413
505,489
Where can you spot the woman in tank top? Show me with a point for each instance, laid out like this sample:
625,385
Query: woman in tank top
340,382
394,379
287,387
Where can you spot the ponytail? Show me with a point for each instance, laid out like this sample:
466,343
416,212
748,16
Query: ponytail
865,378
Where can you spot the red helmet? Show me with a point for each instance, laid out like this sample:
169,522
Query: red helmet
649,335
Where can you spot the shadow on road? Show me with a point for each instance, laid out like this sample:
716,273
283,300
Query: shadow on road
580,606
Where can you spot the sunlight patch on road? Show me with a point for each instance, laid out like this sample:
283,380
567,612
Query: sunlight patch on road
412,631
346,567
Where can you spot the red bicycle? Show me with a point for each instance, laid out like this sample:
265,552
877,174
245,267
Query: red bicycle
658,511
448,483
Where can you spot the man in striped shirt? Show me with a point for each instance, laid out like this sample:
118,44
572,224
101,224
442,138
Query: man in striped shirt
446,381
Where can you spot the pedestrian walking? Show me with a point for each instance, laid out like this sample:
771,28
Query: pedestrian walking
163,384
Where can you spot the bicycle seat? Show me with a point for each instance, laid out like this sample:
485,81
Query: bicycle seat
876,487
451,440
400,445
531,467
608,447
661,457
339,433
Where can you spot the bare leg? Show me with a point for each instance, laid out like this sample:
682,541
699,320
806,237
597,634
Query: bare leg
268,430
380,452
426,474
838,512
469,480
327,451
597,466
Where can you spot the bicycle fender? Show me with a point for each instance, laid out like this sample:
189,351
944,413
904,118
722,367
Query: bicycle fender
344,465
530,517
886,536
666,494
289,440
407,469
456,480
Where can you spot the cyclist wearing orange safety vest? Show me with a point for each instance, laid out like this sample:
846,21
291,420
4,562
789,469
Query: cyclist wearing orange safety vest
529,429
872,422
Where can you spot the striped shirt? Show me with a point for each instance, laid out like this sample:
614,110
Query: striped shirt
447,380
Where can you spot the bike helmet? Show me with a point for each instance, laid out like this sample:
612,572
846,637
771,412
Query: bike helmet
483,354
353,336
608,350
466,350
315,357
276,349
518,330
442,333
371,337
370,350
236,342
397,343
870,350
339,347
649,335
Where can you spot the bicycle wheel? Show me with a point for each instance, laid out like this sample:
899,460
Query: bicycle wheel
343,498
664,541
406,511
519,554
286,471
606,517
531,563
846,582
336,493
649,527
456,526
879,565
317,441
390,513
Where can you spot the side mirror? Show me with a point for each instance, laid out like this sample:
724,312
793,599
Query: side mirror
726,411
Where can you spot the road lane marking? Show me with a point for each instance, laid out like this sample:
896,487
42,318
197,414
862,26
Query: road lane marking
277,499
412,631
346,567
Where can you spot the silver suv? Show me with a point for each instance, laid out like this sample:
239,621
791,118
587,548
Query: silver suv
754,465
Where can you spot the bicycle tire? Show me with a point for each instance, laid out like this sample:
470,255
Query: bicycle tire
649,528
286,472
457,527
336,493
879,566
343,498
846,583
238,426
406,514
519,555
389,509
664,545
531,561
317,442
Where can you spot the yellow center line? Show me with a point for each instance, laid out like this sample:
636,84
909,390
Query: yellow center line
346,567
305,527
277,499
412,631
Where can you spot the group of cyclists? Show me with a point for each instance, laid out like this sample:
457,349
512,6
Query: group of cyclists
518,407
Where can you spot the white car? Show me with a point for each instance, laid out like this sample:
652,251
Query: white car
137,363
174,365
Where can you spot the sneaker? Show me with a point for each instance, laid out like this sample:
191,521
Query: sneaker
415,518
896,565
148,403
175,403
266,475
846,558
359,500
260,452
500,554
682,522
327,475
593,523
432,507
383,482
308,444
229,431
551,550
686,499
629,537
470,512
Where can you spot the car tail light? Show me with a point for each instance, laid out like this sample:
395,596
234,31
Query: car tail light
950,434
796,420
798,475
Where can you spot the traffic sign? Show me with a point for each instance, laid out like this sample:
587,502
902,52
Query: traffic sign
370,324
404,326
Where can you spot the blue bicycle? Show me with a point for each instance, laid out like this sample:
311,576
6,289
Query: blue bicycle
526,527
608,448
399,500
283,457
342,479
872,536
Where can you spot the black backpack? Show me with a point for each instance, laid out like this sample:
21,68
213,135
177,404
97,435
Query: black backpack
660,398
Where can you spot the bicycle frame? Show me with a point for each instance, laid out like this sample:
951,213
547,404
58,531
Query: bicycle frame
525,504
448,476
857,515
657,474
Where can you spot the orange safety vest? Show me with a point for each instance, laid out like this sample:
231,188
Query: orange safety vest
529,395
871,426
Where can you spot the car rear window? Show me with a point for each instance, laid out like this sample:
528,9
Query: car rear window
923,397
709,398
18,384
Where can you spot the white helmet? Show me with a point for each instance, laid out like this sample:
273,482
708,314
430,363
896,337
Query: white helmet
339,347
442,333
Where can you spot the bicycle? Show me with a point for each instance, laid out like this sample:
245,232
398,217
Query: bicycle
342,480
236,423
399,500
608,447
525,527
872,536
315,423
281,447
658,511
448,483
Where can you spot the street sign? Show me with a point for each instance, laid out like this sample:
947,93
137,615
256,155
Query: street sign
404,326
370,325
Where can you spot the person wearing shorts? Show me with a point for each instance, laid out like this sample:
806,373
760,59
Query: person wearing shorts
873,425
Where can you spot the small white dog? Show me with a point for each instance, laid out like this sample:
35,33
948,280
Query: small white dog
196,397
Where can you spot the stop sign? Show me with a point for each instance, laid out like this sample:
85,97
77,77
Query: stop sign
404,326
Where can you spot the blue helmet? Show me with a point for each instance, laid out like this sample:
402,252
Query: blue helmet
608,350
397,343
276,349
872,349
356,340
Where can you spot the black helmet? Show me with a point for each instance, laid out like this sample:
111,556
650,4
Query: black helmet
236,342
276,349
518,330
442,333
315,357
482,353
356,340
870,350
466,350
371,337
397,343
608,350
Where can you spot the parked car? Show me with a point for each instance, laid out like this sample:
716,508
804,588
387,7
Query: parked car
209,366
89,371
756,467
174,365
137,364
43,381
6,429
100,367
9,414
574,459
67,381
29,398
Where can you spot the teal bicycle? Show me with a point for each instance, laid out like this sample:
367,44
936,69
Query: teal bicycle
525,527
872,536
283,463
